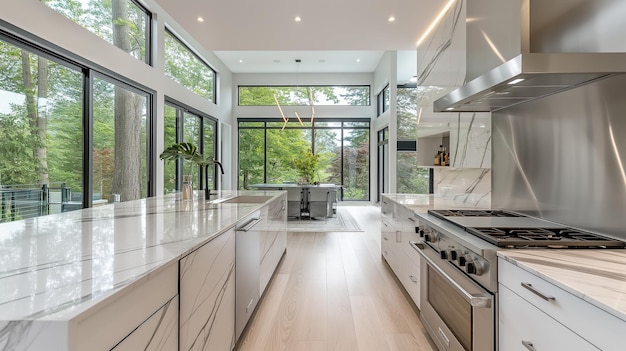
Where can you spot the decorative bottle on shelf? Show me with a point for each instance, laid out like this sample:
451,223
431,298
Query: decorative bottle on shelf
445,158
439,157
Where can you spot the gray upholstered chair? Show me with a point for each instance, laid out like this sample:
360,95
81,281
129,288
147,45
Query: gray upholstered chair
319,202
294,202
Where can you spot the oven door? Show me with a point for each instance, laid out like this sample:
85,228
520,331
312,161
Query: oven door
457,312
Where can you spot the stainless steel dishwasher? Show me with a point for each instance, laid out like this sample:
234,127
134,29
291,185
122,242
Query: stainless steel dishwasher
247,270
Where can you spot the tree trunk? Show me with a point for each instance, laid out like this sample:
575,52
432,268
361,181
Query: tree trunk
42,127
37,124
128,108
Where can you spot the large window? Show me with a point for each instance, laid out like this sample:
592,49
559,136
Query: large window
119,141
267,153
382,101
346,95
123,23
55,154
183,125
410,178
187,68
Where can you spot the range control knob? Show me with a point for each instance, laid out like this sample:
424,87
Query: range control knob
462,261
443,254
475,268
454,255
470,268
421,233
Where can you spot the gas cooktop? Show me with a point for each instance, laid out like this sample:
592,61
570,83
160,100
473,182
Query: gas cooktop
512,230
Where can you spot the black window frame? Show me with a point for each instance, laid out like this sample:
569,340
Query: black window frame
313,128
39,46
205,62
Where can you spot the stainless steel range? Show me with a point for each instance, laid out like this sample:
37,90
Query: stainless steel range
459,272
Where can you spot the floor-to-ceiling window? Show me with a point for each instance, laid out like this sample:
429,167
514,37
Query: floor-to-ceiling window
410,178
383,161
268,148
185,125
70,136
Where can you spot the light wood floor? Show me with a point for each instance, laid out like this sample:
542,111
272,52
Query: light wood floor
333,292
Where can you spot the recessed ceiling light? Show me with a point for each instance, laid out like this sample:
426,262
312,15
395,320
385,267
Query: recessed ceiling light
391,19
358,60
200,19
450,109
297,19
240,61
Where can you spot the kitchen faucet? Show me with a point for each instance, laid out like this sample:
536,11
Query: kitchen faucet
207,192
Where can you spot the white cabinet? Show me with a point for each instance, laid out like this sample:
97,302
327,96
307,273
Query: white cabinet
207,296
126,320
157,333
577,321
398,228
273,240
522,325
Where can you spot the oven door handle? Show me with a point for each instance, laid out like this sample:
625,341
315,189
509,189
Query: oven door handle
482,300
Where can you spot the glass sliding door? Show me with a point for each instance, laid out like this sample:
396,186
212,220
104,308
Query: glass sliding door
183,124
251,154
119,142
356,144
209,143
41,134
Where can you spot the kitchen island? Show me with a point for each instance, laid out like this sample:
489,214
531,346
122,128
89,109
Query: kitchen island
108,277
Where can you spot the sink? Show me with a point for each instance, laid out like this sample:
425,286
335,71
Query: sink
245,199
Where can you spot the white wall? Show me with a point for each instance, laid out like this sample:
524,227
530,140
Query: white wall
386,74
37,19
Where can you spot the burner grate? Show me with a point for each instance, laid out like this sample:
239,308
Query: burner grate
544,237
442,214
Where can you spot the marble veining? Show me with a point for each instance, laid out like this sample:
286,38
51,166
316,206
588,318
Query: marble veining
207,283
56,267
596,276
470,186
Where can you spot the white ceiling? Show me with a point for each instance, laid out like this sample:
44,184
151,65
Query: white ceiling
252,36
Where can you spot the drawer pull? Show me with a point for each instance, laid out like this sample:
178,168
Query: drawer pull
411,219
444,338
386,238
413,279
537,292
529,345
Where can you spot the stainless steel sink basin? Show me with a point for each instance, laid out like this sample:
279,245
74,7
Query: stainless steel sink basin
245,199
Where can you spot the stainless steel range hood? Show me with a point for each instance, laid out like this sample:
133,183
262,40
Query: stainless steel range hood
520,50
530,76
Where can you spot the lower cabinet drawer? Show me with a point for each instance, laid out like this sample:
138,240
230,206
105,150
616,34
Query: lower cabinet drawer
524,327
411,279
592,323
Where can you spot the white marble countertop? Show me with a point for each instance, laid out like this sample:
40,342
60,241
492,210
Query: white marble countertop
55,267
424,202
596,276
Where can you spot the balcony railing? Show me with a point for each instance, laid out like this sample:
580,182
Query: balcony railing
21,201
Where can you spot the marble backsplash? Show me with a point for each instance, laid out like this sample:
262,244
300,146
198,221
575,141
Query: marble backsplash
468,186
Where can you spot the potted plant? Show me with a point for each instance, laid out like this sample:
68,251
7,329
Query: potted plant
306,166
189,151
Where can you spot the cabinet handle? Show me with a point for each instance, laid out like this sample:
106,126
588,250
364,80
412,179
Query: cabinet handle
537,292
529,345
446,340
412,219
386,238
413,279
